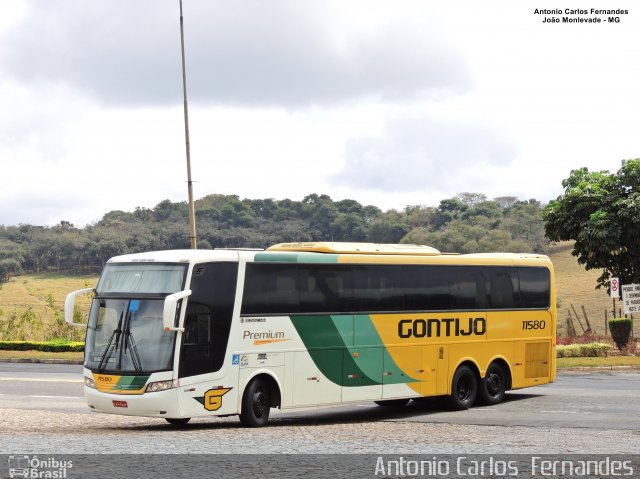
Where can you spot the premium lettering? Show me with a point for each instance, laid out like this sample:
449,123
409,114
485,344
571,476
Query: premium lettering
263,335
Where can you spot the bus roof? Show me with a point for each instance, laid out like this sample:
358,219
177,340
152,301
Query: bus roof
329,252
357,248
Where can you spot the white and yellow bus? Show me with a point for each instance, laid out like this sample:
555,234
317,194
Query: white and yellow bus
179,334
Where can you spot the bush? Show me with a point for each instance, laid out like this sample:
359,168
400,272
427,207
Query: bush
28,326
52,347
564,341
591,350
621,331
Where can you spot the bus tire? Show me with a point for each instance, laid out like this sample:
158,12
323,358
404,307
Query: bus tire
256,404
177,421
464,389
494,385
392,402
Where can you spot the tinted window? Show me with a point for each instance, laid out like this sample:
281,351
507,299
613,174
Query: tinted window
296,288
425,288
208,318
378,288
535,286
284,288
270,288
325,288
465,288
502,288
321,288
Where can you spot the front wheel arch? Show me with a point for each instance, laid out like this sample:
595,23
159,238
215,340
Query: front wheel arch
270,388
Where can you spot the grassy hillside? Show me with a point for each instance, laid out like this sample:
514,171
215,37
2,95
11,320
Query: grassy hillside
576,287
45,293
31,307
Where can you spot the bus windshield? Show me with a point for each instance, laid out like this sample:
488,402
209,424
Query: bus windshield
127,335
125,331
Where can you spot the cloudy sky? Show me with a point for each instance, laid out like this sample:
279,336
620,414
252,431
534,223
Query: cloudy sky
389,103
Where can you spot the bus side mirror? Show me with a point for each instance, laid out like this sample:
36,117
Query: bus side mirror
69,306
170,307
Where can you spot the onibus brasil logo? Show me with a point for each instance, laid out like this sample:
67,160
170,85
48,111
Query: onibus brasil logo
32,467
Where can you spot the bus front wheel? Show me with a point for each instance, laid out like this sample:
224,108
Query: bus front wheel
256,404
493,386
464,388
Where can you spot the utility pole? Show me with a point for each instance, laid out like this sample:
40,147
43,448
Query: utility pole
192,212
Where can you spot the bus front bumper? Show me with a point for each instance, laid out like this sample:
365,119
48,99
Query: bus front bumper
154,404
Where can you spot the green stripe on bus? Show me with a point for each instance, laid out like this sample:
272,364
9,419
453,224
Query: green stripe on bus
131,383
367,338
275,257
328,350
339,354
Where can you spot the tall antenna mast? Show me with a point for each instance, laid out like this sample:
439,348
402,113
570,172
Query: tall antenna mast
192,213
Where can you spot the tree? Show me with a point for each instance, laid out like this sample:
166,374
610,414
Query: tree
600,211
471,199
448,210
390,227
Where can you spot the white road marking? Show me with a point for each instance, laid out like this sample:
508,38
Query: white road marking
57,397
36,380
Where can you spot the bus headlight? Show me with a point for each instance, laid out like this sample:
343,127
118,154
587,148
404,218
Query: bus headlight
90,383
159,386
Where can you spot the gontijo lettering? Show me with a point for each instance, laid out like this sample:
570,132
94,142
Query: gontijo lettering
420,328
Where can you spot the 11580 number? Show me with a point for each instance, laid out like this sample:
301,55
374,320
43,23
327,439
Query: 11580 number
534,324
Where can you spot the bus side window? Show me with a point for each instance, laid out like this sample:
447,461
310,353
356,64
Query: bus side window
270,289
426,288
534,287
466,288
196,325
502,290
378,288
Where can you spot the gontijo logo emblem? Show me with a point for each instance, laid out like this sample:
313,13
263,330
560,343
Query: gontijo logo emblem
212,399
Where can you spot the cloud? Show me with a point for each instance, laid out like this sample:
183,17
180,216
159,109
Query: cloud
425,154
278,53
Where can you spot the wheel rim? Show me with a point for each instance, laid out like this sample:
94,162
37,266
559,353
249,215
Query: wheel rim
463,389
494,384
260,404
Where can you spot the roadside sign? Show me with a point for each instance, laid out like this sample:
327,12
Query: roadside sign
614,288
631,298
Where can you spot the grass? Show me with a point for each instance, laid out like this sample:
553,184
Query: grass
575,286
40,355
43,293
599,362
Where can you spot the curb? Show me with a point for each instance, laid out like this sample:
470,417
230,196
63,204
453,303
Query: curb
40,361
598,369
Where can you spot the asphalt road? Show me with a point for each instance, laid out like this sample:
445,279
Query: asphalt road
579,413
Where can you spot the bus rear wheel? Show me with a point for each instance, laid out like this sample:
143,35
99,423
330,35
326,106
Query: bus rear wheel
392,403
256,404
464,389
494,385
178,421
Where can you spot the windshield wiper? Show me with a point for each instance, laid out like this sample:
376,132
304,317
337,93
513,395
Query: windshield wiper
135,357
115,335
131,344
